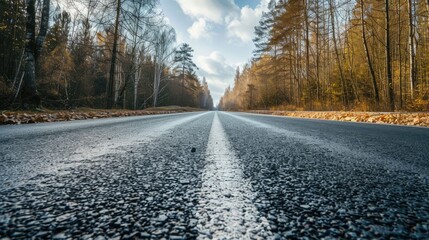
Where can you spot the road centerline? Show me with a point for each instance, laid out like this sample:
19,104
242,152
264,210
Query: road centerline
225,209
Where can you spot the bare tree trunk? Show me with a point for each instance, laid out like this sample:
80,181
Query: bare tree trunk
117,82
291,74
340,68
351,60
162,52
33,48
307,54
111,83
400,53
136,83
136,57
182,86
317,51
298,68
276,76
326,56
390,92
155,83
18,70
368,56
124,104
44,26
411,49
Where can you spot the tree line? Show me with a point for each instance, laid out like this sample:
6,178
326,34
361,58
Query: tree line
368,55
94,53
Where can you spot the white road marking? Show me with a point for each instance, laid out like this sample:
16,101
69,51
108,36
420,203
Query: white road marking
225,209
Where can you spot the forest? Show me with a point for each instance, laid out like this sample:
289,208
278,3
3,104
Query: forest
94,53
361,55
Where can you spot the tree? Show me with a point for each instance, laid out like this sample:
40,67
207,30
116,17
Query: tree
237,76
183,60
110,85
307,51
337,54
83,76
12,46
163,41
56,63
33,47
138,18
112,53
389,59
367,54
206,100
412,54
262,32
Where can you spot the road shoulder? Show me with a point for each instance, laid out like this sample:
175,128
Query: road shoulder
394,118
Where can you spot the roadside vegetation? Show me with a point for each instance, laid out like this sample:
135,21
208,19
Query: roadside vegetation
397,118
46,115
96,54
361,55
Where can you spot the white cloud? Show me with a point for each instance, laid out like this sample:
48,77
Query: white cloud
217,72
199,29
264,4
238,23
229,23
243,27
215,64
218,11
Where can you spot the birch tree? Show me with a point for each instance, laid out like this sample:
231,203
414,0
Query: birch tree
139,15
163,49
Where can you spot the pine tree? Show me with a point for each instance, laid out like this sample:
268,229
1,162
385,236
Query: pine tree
186,67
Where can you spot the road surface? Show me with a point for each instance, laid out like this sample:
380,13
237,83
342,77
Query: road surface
213,175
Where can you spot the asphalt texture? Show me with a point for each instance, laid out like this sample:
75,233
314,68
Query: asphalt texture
213,175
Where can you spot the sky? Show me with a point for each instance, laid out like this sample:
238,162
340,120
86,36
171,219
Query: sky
219,31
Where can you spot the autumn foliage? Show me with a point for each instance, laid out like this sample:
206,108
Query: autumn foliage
362,55
409,119
23,117
85,61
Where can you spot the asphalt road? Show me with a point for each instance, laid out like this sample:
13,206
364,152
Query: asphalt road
213,175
